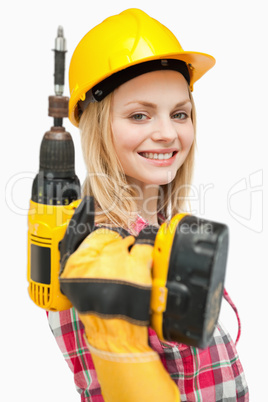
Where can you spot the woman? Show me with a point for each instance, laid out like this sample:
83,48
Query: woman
131,84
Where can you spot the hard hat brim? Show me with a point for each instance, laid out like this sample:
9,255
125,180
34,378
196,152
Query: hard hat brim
198,64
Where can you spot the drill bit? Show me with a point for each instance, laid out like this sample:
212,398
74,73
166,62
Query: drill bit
60,50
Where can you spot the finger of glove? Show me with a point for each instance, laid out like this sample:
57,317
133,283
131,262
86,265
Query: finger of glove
89,252
142,259
112,262
99,239
145,238
83,218
120,247
142,254
133,267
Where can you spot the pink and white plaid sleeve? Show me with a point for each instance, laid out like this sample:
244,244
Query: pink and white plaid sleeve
214,374
69,333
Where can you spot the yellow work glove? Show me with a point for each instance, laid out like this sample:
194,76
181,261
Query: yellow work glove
108,280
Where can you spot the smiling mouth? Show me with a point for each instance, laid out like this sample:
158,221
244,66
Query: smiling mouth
157,156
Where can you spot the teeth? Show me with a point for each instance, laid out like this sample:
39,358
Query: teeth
151,155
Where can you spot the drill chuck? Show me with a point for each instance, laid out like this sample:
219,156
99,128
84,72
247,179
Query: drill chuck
56,183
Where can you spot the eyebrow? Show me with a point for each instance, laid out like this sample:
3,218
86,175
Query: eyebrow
154,106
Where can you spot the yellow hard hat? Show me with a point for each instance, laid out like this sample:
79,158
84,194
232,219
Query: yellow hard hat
121,42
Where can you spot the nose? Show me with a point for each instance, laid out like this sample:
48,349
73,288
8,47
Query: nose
164,131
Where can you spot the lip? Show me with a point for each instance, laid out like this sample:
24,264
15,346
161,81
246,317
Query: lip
158,162
159,151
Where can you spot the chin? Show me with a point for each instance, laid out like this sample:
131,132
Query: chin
160,181
152,179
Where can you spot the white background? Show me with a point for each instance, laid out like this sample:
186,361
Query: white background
231,167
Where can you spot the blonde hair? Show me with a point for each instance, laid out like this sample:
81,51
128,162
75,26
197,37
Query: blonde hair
106,181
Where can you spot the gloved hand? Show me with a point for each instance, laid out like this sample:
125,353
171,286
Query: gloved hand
108,279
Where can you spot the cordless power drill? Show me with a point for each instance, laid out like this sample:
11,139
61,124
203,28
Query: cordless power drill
55,195
189,257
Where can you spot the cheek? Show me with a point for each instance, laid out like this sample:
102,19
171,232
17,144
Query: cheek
118,138
124,138
187,138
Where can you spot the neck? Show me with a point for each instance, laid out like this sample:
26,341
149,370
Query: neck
146,200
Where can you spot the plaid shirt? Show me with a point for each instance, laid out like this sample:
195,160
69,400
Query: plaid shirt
214,374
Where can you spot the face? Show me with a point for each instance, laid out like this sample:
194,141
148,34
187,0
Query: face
152,127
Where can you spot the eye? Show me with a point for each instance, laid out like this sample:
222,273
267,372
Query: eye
180,115
138,116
